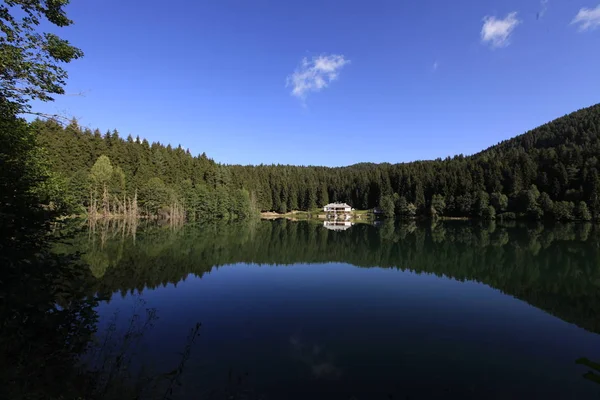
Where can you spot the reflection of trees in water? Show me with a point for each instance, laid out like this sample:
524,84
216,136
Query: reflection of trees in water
593,376
554,268
551,267
46,321
111,229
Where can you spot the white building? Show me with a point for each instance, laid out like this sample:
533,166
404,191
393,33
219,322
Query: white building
338,211
337,208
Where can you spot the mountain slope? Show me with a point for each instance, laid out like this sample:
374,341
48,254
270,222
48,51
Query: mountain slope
580,128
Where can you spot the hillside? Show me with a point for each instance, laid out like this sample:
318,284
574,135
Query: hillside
548,172
578,128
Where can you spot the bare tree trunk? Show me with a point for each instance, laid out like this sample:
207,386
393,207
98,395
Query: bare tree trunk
92,208
105,202
134,207
91,213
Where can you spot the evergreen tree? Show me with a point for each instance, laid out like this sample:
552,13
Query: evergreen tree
499,201
438,205
224,202
323,196
311,198
582,213
489,213
117,182
482,204
546,204
594,198
419,196
564,210
387,206
400,205
154,195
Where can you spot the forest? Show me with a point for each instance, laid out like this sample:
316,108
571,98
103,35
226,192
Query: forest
550,172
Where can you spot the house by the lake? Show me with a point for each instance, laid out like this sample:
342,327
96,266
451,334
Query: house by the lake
338,211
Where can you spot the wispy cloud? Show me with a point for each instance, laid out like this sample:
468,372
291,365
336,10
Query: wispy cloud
435,66
316,74
543,9
587,18
497,32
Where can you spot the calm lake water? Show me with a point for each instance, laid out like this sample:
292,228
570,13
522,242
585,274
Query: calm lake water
292,310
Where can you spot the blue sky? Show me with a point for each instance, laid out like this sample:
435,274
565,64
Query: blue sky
382,81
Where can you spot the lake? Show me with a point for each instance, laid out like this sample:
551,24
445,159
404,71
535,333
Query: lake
293,310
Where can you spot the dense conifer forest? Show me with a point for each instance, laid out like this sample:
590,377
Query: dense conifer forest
550,172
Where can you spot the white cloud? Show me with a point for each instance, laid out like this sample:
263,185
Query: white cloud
497,32
587,18
435,66
544,8
316,74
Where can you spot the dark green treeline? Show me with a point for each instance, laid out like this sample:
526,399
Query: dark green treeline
109,173
554,267
548,173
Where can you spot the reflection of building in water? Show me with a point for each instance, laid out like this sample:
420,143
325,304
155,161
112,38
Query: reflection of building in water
338,211
337,225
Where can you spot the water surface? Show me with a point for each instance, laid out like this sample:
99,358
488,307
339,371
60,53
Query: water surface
293,310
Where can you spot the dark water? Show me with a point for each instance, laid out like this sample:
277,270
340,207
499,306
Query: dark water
291,310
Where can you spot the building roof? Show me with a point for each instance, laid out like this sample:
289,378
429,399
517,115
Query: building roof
337,205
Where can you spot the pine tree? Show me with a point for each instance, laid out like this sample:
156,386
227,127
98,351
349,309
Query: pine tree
386,206
323,196
594,198
438,205
419,196
582,213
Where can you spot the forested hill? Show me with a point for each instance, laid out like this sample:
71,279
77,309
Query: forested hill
549,172
580,128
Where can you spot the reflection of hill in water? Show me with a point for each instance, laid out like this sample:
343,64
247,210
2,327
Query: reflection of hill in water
555,268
